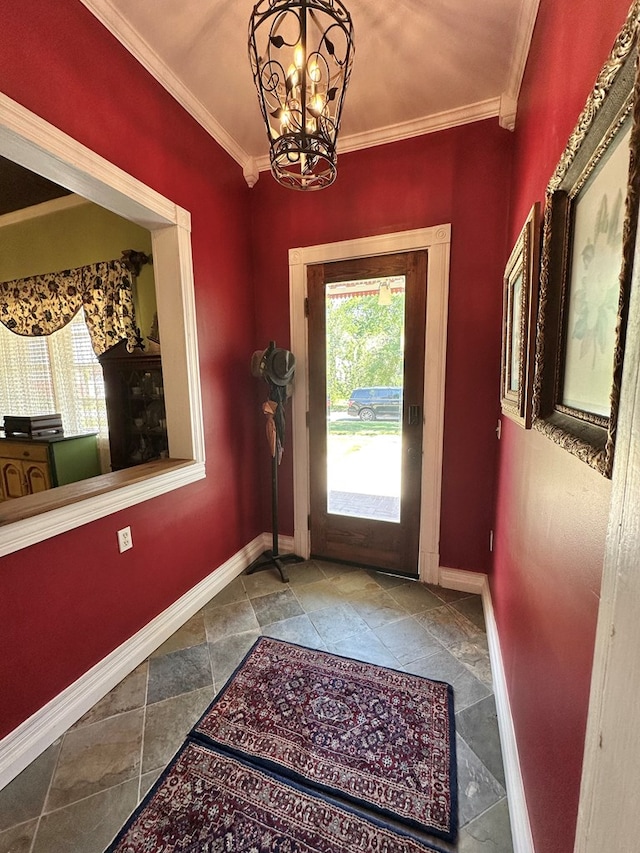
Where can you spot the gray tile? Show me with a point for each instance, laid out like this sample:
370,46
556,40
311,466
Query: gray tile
472,608
89,825
316,596
226,655
337,623
303,573
448,625
478,789
192,633
235,618
354,580
96,757
407,640
415,597
179,672
23,798
475,656
478,725
385,580
447,595
168,723
298,629
331,569
263,582
443,666
130,694
233,591
367,647
18,839
377,609
148,780
276,606
488,833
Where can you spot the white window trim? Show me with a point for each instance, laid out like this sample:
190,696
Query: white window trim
437,242
34,143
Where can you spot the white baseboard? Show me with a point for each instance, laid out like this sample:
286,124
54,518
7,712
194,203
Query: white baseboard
461,580
520,827
25,743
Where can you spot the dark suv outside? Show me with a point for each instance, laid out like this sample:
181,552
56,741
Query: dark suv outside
368,404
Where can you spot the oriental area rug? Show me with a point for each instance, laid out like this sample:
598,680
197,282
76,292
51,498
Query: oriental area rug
208,802
305,751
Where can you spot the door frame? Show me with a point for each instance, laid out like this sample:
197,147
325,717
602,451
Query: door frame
437,241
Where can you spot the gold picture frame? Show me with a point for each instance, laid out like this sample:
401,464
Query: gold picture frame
590,218
519,308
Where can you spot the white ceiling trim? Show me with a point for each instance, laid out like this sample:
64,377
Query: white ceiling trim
421,126
111,18
410,129
524,34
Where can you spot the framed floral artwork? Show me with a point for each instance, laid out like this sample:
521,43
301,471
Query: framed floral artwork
589,227
519,305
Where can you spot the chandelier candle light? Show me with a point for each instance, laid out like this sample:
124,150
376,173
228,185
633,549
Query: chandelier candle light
301,53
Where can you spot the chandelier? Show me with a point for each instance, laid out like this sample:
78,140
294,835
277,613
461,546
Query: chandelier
301,53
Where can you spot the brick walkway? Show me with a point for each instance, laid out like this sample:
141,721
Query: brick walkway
377,507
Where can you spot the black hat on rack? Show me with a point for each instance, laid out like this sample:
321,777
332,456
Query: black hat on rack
274,364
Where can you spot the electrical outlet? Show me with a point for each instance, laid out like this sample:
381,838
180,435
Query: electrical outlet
124,539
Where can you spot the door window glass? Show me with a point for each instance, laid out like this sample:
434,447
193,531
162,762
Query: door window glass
364,371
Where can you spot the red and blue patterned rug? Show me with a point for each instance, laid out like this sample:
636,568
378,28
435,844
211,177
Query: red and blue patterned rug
209,802
376,738
307,752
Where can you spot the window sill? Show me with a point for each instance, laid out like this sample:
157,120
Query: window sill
25,521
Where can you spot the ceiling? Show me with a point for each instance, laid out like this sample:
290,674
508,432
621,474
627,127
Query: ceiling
419,66
20,188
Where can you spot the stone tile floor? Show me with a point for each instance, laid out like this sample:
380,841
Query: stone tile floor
77,794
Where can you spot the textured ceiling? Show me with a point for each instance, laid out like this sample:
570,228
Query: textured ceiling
20,188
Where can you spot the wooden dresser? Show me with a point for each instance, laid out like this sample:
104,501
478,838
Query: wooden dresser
30,465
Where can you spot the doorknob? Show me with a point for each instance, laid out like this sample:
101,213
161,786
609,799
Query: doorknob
414,454
415,413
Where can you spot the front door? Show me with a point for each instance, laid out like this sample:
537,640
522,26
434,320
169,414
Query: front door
366,381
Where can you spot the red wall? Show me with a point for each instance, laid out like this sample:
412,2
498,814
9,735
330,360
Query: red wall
552,510
66,603
460,176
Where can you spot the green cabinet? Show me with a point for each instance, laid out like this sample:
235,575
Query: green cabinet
30,465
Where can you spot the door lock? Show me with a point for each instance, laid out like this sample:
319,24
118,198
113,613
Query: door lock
415,413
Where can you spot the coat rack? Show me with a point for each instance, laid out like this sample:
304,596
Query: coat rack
277,367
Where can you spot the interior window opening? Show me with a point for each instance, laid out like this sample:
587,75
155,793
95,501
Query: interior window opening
55,158
53,387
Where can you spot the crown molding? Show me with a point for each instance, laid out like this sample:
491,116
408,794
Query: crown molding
421,126
409,129
524,34
111,18
508,110
45,208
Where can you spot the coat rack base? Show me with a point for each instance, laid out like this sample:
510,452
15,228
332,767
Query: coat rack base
268,560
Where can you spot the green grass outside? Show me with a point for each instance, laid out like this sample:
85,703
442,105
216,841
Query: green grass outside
356,427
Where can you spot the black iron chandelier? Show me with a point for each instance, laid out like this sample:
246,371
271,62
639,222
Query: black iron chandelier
301,53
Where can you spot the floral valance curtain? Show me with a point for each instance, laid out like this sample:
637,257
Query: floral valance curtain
42,304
